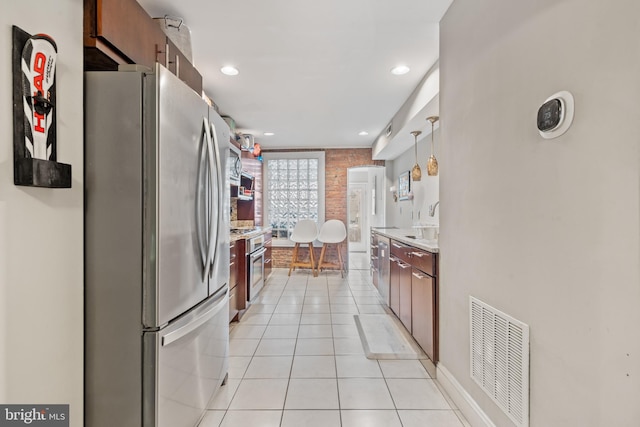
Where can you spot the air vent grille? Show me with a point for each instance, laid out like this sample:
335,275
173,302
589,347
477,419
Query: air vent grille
500,359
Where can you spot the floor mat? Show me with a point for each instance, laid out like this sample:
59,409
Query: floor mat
384,337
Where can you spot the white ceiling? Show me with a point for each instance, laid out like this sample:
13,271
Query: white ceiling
313,72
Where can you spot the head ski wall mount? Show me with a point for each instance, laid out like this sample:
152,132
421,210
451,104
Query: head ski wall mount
34,113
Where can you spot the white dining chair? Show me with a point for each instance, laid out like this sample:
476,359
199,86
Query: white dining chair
305,231
332,232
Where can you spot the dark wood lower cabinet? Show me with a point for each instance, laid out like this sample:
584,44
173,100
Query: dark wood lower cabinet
394,288
413,293
423,316
233,281
268,261
405,295
375,272
237,279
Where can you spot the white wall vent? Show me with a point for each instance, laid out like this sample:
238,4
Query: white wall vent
500,359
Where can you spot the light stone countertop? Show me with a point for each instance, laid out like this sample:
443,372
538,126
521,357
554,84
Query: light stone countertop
251,232
400,234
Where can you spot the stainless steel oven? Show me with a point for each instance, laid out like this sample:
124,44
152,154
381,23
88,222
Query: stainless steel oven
255,266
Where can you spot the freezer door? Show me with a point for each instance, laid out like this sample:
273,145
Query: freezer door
174,282
185,364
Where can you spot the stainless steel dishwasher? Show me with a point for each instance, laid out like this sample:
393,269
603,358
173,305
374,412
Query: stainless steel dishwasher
383,268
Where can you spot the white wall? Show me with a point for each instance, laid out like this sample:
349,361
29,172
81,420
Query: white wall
545,230
41,284
405,213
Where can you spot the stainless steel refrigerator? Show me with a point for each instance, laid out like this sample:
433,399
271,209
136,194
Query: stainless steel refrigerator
156,250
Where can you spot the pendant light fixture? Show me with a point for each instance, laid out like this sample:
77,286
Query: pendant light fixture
432,164
416,173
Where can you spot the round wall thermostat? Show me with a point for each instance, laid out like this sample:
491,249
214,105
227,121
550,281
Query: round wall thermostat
555,115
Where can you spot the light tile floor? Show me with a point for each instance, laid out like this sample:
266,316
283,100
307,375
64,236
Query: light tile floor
296,360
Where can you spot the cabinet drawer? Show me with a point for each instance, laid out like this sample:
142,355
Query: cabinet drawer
401,251
424,261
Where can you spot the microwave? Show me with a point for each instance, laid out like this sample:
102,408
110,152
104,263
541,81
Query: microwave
234,165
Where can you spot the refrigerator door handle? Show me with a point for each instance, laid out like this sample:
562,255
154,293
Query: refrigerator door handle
212,226
218,191
194,324
201,234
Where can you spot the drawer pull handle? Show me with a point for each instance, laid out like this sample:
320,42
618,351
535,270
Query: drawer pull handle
403,266
419,276
395,245
418,254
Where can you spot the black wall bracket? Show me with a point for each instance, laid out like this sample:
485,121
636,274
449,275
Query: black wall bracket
27,170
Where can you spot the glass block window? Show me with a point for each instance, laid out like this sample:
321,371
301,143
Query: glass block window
294,190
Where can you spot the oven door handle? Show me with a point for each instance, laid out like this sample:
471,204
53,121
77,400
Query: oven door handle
258,254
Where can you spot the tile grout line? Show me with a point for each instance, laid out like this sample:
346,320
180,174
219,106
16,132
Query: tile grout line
335,359
286,393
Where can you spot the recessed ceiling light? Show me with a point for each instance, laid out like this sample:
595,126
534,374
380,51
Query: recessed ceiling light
400,70
363,133
269,134
229,70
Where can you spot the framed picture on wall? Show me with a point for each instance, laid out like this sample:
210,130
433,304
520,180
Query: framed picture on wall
404,186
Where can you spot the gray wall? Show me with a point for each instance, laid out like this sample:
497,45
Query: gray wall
406,213
545,230
41,285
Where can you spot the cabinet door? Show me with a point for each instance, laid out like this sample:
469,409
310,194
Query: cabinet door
179,65
233,266
394,288
123,28
233,281
241,262
423,294
374,260
268,261
405,295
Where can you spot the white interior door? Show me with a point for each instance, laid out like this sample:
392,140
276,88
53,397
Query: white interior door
358,217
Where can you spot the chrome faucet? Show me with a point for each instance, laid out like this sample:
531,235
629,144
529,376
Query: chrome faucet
432,208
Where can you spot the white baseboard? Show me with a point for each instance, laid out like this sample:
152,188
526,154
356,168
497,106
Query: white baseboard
463,400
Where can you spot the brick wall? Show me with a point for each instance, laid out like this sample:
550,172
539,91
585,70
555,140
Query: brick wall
337,161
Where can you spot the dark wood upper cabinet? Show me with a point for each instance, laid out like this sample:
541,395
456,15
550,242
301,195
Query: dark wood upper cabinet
179,65
121,32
